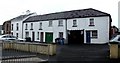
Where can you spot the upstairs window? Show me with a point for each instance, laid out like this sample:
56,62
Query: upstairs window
17,25
91,22
60,23
31,26
74,23
26,26
50,23
40,26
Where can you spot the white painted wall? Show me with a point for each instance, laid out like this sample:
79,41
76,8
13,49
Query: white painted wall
119,16
55,29
20,31
14,31
101,24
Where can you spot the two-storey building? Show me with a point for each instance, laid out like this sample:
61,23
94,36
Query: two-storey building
17,24
76,27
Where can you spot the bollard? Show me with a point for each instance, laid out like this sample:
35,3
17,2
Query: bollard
113,50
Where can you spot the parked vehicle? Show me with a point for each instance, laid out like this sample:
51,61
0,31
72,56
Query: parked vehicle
116,39
10,38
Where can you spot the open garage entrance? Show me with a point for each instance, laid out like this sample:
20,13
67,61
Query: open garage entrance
76,37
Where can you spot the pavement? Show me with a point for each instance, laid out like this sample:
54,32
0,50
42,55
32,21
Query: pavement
66,54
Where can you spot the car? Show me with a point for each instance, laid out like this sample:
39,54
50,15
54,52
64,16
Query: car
10,38
116,39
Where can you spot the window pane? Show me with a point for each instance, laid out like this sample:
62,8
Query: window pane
94,34
60,23
26,26
60,34
12,26
74,23
27,34
31,26
38,36
92,21
17,26
40,25
50,23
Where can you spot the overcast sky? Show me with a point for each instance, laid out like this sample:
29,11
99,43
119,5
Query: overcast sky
13,8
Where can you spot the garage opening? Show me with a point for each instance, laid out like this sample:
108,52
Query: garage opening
76,37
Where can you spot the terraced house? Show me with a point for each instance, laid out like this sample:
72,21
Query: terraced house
17,24
76,27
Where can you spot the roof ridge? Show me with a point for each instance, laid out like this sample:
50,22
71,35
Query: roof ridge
80,13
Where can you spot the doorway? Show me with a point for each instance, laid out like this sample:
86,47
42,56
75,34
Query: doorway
33,36
88,38
76,37
48,37
41,37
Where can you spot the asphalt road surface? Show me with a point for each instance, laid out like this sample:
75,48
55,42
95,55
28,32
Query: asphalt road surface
67,54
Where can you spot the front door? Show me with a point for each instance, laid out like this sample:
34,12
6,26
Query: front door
33,36
88,39
41,37
48,37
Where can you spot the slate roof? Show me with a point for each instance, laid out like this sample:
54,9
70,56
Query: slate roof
68,15
21,17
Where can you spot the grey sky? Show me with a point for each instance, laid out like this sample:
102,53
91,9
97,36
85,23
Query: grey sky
13,8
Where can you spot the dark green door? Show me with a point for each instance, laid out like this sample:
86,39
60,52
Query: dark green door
48,37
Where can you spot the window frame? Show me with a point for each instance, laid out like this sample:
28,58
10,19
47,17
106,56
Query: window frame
38,37
31,26
12,27
17,26
94,34
91,22
50,23
40,26
17,35
26,26
74,23
61,34
26,34
60,22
